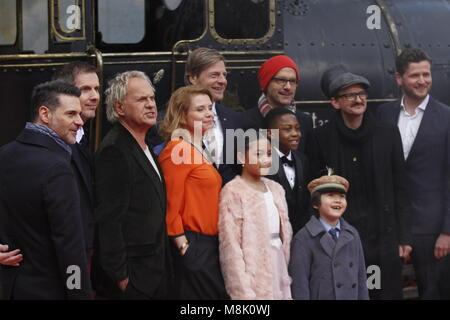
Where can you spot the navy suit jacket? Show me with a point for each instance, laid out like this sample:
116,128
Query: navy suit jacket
40,214
428,166
229,119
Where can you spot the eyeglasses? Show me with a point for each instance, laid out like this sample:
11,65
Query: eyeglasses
282,82
352,95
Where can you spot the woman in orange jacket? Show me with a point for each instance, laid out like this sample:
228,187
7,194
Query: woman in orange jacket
193,188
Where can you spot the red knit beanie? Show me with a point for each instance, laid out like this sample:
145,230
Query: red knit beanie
271,67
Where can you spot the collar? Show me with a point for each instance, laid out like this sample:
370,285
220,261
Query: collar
315,228
264,106
327,226
422,106
80,134
35,127
281,154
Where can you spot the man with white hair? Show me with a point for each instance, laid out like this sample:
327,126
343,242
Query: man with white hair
131,195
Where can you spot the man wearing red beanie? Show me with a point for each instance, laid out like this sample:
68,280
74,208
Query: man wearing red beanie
278,79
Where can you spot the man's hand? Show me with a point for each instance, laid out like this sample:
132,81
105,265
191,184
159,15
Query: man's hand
123,284
405,251
11,258
442,246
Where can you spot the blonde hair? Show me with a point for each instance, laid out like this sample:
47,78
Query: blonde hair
178,108
118,90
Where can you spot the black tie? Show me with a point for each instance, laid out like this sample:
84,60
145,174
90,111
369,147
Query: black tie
290,163
333,233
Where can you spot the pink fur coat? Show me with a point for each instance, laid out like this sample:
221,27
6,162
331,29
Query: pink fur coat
244,240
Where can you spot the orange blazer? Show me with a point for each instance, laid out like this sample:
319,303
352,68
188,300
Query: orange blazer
193,187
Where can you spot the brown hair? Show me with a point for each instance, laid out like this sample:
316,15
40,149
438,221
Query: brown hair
408,56
199,60
178,108
71,70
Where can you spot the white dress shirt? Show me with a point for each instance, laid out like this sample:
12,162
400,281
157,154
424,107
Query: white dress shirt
152,161
80,134
409,124
218,137
328,227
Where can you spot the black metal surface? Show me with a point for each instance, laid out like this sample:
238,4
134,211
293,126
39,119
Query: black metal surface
315,33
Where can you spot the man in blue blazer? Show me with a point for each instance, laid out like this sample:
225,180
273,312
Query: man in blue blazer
206,67
424,125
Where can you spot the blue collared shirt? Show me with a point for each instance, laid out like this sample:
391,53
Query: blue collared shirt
328,226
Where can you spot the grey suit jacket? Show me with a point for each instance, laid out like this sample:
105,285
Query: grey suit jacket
428,166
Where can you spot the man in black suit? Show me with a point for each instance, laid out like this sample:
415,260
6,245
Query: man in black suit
369,155
424,125
84,76
293,172
39,201
206,67
130,195
278,79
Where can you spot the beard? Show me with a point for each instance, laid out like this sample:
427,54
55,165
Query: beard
414,94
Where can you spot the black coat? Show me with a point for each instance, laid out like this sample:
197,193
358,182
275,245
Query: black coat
41,216
83,165
297,198
428,166
390,186
131,215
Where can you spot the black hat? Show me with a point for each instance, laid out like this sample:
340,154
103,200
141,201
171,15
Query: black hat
338,77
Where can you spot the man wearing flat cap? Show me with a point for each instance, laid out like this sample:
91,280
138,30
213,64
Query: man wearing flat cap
278,79
370,156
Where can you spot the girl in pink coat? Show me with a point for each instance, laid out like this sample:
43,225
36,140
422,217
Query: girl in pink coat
254,229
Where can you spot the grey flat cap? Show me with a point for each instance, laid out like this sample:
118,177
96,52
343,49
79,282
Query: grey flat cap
339,77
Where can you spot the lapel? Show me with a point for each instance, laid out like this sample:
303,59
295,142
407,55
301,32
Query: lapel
145,164
394,112
345,236
82,164
428,123
299,174
281,174
315,228
225,123
224,120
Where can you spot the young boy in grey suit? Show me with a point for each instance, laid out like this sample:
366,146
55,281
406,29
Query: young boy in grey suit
327,259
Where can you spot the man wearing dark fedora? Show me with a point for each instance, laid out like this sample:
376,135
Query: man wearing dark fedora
370,156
